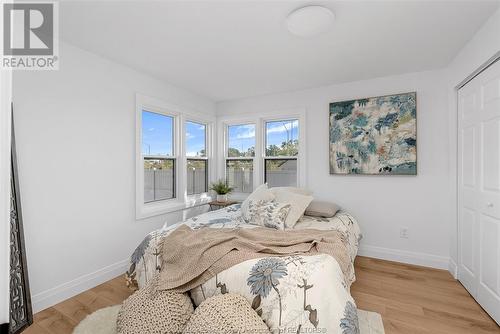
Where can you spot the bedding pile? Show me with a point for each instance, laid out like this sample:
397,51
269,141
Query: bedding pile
192,257
297,279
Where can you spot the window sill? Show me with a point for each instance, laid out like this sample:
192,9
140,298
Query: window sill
173,205
239,197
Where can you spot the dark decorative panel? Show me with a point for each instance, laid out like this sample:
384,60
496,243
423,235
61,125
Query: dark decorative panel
21,314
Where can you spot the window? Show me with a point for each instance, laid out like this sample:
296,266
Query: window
173,154
158,156
239,157
281,152
263,148
196,158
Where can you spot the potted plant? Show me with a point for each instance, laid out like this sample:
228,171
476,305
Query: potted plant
222,189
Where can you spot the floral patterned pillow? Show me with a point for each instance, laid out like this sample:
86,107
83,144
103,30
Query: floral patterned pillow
267,213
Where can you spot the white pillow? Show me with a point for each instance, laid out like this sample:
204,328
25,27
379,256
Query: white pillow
300,191
298,204
270,214
262,193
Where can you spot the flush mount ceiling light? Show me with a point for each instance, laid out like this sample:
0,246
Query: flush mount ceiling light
310,20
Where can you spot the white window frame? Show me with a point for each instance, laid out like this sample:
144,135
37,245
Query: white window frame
180,115
206,157
260,119
279,157
224,153
173,156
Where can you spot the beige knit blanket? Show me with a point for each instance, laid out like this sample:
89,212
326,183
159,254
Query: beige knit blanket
192,257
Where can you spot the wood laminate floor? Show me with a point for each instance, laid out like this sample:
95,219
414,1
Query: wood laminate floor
411,299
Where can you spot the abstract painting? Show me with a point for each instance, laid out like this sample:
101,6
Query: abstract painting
376,135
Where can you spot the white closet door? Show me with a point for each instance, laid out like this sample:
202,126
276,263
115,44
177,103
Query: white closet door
479,188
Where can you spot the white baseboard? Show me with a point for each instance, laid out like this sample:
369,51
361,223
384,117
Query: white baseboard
453,268
421,259
48,298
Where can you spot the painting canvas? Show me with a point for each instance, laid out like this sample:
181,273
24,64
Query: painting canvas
376,135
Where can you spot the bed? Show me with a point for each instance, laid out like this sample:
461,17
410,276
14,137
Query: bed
292,294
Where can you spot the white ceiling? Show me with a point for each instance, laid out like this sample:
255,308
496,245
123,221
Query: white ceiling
232,49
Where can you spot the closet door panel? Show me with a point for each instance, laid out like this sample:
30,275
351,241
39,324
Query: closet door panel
488,290
469,157
467,240
490,233
491,155
479,188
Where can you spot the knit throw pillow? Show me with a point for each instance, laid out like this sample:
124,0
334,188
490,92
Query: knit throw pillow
225,314
154,312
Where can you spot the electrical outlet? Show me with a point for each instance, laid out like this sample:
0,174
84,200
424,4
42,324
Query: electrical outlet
403,232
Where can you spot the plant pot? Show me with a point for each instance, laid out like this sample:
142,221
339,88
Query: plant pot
222,198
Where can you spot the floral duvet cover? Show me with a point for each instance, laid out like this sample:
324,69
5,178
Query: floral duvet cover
293,294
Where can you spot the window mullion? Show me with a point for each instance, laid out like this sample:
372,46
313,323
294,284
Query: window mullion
281,157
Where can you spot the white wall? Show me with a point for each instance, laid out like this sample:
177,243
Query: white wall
484,44
5,99
71,123
75,132
382,204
